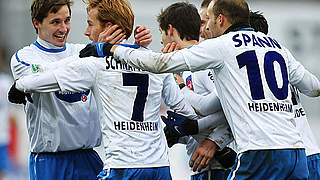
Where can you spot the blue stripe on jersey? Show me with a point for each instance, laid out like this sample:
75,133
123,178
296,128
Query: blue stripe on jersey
72,97
22,62
49,50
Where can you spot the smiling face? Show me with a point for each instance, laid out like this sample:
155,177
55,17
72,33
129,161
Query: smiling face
55,27
95,27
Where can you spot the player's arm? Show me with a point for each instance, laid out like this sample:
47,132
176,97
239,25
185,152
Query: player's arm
175,100
75,77
204,105
302,79
202,56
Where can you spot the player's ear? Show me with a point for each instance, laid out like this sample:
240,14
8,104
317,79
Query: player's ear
221,19
36,24
170,30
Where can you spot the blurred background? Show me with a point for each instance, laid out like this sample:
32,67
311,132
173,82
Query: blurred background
294,23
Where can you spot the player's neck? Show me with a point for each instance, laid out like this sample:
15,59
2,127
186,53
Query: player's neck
184,44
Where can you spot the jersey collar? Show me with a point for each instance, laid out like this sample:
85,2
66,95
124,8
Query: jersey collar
41,44
239,27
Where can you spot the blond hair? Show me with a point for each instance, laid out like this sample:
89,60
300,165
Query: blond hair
115,11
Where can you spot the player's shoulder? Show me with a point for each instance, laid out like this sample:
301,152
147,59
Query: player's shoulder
74,46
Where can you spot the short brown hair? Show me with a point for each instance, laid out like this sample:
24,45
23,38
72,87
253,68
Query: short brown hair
205,3
237,11
115,11
41,8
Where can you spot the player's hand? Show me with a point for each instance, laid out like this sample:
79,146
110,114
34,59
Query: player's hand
142,36
170,47
112,35
203,154
178,78
180,124
18,97
172,137
99,49
226,157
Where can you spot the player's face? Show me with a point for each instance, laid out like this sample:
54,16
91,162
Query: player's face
204,31
165,37
213,24
56,27
94,25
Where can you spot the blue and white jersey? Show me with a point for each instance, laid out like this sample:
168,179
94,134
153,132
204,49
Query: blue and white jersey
56,121
302,124
252,75
128,103
201,82
5,84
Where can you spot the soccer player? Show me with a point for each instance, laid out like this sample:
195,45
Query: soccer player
252,76
184,30
204,31
128,99
63,127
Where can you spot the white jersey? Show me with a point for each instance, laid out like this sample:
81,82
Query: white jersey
5,84
201,82
302,124
56,121
129,103
252,73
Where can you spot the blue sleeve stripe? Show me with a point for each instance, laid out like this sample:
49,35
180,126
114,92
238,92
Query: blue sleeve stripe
49,50
22,62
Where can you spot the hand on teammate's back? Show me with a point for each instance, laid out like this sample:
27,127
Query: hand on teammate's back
18,97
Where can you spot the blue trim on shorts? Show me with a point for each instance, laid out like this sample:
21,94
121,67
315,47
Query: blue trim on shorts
314,166
270,164
66,165
156,173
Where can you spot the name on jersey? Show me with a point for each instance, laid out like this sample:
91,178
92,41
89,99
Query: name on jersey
259,107
135,126
299,112
116,64
243,39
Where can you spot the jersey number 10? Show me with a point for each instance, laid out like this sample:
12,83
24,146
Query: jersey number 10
250,60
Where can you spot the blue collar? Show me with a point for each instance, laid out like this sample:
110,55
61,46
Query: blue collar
49,50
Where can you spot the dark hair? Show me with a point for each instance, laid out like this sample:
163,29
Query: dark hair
41,8
182,16
205,3
237,11
258,22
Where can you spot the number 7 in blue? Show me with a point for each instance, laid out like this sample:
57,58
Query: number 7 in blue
142,83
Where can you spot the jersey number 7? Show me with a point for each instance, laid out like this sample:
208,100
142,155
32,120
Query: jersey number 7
142,83
250,60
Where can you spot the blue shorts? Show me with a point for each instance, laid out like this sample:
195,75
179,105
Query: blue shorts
68,165
158,173
216,174
4,158
270,164
314,166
